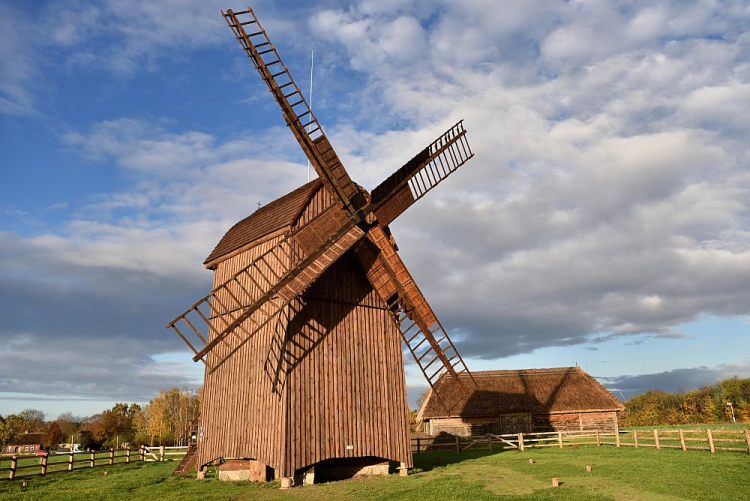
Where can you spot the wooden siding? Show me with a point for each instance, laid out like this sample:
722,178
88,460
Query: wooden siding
242,415
523,423
325,375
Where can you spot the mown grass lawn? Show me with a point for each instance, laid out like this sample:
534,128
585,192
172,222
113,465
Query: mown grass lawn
617,474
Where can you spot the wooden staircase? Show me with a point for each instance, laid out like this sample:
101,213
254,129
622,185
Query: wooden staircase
188,462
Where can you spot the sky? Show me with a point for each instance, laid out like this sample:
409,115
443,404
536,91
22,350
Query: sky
603,221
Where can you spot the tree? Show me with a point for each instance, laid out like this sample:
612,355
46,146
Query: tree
53,435
34,419
10,427
70,425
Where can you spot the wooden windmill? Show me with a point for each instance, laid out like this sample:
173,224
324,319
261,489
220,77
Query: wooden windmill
301,335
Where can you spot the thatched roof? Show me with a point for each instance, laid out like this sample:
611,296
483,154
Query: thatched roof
269,218
562,389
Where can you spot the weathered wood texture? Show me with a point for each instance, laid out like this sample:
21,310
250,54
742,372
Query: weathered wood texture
324,380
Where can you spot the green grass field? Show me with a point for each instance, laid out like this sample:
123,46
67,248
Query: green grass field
619,474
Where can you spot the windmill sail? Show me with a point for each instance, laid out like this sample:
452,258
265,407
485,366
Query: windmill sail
421,174
233,312
421,331
297,112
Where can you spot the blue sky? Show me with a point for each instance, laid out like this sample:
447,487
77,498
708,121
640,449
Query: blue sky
603,221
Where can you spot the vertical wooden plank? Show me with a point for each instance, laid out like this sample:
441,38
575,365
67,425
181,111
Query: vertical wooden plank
710,440
656,439
598,441
635,438
682,440
747,439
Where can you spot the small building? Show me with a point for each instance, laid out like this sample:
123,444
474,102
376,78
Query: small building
26,443
521,401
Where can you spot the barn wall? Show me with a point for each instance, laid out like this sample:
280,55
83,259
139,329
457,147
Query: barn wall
523,423
573,421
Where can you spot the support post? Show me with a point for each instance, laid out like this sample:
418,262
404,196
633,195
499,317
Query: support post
747,439
13,466
598,440
617,436
635,438
142,453
458,445
559,438
111,456
127,455
656,439
682,439
489,441
161,453
44,465
70,461
711,440
520,442
92,459
419,445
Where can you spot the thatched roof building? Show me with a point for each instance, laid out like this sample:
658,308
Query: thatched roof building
515,401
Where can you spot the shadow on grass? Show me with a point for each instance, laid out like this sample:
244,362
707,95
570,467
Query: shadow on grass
430,460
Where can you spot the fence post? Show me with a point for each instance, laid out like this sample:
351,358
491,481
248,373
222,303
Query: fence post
458,445
635,438
682,439
70,461
520,441
92,459
111,456
127,455
559,438
656,439
711,440
419,445
142,453
44,465
161,453
617,436
598,441
13,466
747,439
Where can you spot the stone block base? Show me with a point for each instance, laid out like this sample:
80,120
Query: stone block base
243,470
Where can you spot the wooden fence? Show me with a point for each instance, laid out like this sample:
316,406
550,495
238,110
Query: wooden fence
707,439
68,461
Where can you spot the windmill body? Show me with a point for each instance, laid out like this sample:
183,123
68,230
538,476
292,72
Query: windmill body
302,334
325,380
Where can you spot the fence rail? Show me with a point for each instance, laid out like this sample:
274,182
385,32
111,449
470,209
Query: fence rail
708,439
43,465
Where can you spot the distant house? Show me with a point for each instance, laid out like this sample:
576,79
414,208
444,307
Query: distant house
27,443
521,401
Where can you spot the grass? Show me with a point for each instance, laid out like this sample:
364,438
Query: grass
619,474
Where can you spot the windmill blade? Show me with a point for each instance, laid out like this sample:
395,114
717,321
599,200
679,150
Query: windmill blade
421,174
421,331
233,312
297,113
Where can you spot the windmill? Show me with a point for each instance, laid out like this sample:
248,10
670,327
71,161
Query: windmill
301,334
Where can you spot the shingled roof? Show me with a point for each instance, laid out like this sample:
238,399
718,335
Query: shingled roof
559,389
269,218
